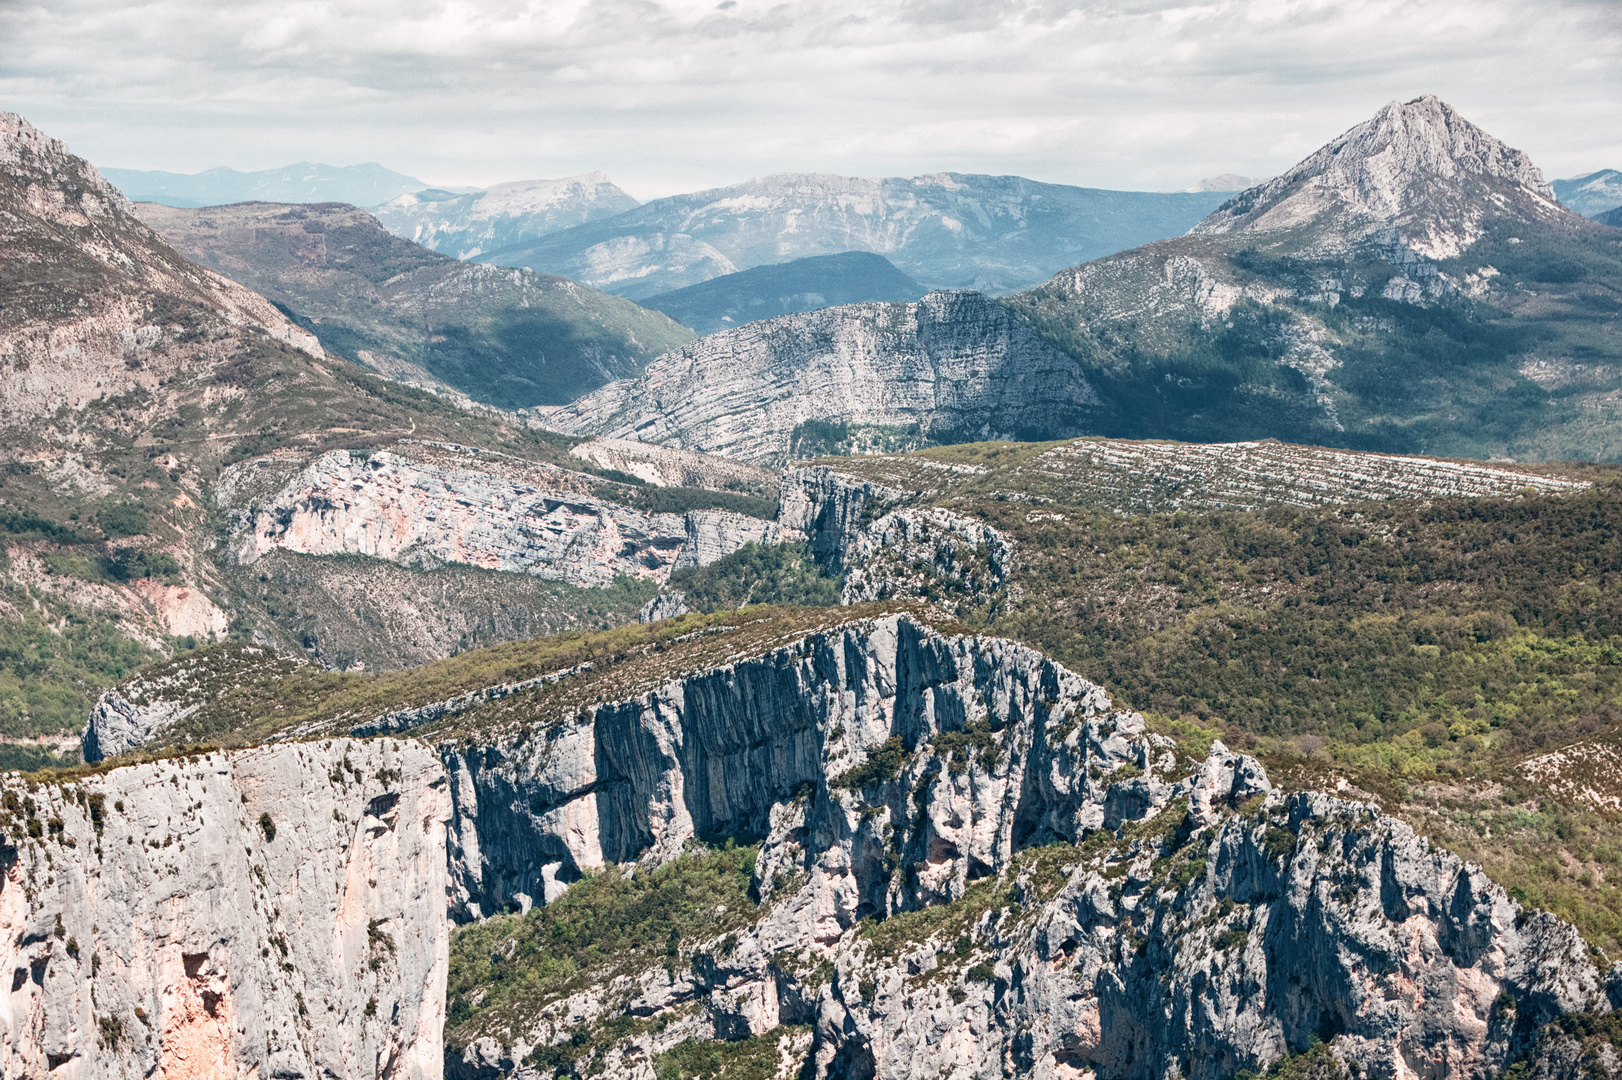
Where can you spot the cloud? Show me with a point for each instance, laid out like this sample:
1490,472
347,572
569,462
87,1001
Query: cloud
671,96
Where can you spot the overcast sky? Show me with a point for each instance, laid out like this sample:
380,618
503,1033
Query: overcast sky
671,97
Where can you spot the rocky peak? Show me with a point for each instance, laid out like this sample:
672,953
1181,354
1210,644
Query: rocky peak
1416,165
30,157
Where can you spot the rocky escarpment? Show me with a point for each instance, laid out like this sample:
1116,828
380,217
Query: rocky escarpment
275,912
954,366
971,865
445,504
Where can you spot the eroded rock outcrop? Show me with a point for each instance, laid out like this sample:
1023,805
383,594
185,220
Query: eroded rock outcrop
886,548
274,912
447,504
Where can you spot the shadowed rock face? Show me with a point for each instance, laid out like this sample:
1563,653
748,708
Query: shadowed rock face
161,926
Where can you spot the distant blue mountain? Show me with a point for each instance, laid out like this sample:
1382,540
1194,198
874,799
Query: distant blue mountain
1591,195
947,230
304,182
761,292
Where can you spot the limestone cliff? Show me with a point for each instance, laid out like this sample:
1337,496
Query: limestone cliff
431,504
970,864
275,912
1098,902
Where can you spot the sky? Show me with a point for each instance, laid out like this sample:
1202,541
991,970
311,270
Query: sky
678,96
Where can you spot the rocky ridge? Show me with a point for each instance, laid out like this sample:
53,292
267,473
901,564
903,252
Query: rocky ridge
1592,195
970,863
63,222
951,367
506,337
1383,174
1227,914
1344,289
1129,476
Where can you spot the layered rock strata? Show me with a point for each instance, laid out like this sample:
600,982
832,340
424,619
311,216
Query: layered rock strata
954,366
276,912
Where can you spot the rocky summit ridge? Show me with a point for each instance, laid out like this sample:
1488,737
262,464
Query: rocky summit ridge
93,304
1416,166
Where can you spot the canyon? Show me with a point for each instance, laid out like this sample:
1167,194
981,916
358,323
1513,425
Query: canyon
970,861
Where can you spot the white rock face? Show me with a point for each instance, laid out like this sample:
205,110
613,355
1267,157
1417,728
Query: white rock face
953,366
155,928
450,504
501,215
1407,167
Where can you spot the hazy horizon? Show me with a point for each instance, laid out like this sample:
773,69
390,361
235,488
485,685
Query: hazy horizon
675,97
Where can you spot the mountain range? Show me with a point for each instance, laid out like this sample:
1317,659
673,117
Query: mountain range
361,185
1411,286
467,225
510,338
993,233
1130,759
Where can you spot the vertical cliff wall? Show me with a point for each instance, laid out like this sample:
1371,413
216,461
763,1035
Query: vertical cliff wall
275,912
973,867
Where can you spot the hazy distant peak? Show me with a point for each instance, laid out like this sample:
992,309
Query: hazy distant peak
1591,194
1408,166
501,215
1227,182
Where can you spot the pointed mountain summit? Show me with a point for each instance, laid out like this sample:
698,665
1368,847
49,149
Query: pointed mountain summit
1416,166
1412,285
